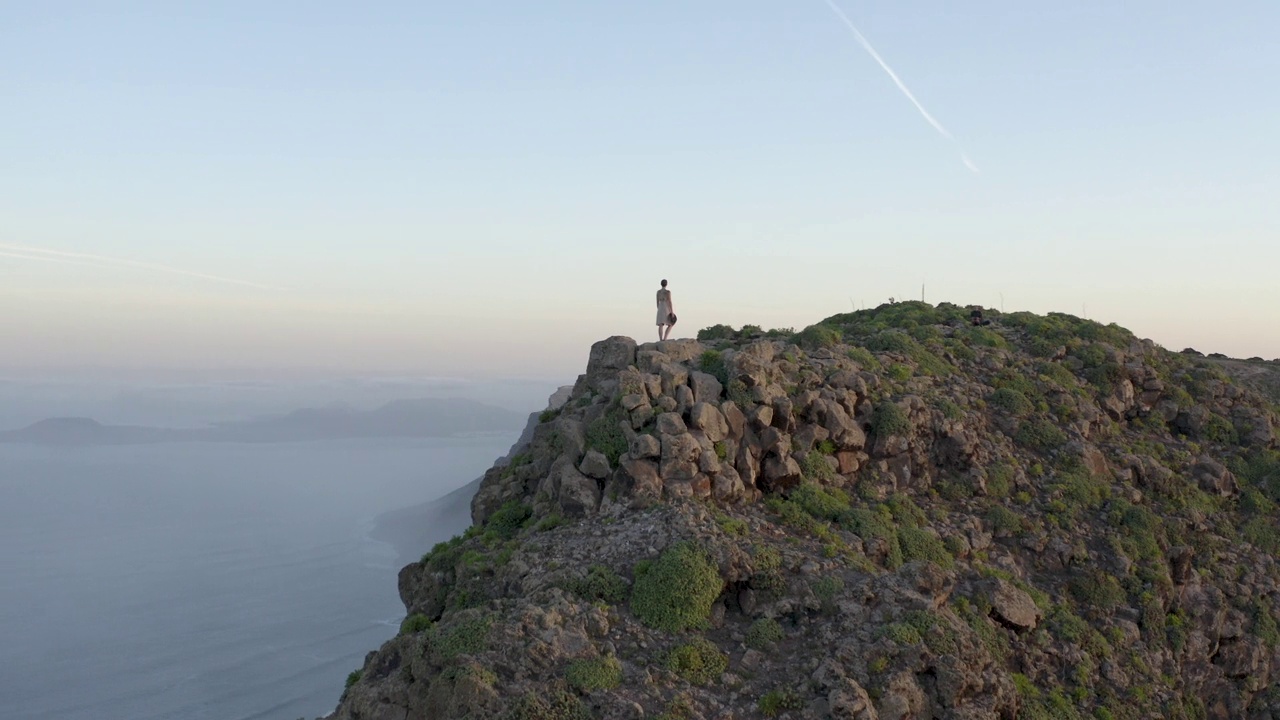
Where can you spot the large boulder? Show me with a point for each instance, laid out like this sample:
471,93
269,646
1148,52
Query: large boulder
706,417
1012,606
607,359
706,388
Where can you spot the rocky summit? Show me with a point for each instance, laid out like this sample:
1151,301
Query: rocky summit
890,514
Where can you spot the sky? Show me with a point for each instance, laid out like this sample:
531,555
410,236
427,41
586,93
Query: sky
485,189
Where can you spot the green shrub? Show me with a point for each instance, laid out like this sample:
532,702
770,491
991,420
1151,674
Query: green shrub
767,570
823,503
353,677
819,336
550,522
863,357
999,480
763,633
591,675
775,701
556,704
1040,434
464,637
1004,520
600,583
873,525
717,332
815,467
677,591
548,415
1220,430
415,623
698,661
828,587
920,544
900,373
606,434
890,419
1012,401
712,363
1097,590
737,391
507,521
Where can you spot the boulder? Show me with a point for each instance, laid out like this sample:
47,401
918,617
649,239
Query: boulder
636,478
645,446
578,494
706,417
595,465
671,424
706,388
1012,606
608,358
1213,477
680,454
673,376
781,474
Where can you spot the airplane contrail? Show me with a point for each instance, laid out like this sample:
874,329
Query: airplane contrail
27,252
866,45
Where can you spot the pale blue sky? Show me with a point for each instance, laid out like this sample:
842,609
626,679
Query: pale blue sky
486,188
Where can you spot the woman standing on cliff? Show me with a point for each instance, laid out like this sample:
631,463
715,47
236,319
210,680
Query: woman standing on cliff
666,312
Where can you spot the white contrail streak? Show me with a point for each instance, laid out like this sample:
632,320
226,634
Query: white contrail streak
866,45
26,252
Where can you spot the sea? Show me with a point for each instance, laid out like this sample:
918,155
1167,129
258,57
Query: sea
206,581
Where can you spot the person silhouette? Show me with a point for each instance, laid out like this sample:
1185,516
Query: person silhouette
666,312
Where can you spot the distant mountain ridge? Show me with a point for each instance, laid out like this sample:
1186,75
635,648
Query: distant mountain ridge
420,417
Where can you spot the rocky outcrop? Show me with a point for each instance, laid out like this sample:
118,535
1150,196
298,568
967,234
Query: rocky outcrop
890,515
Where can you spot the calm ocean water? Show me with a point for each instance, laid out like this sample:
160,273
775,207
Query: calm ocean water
204,581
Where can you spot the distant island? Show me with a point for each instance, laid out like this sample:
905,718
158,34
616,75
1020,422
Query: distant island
424,417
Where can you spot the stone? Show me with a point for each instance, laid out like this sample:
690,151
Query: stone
645,446
1212,476
679,457
641,416
850,701
1012,606
682,350
671,424
607,358
727,487
638,479
781,474
706,417
578,494
684,399
761,416
734,417
706,388
1180,569
666,403
708,462
673,376
595,465
631,402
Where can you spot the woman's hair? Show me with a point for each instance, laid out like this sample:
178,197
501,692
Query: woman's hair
664,283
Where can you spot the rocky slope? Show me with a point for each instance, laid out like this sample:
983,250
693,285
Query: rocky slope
891,514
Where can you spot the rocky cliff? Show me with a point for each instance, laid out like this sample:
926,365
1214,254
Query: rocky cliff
891,514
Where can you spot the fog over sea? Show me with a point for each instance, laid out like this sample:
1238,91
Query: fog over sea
207,581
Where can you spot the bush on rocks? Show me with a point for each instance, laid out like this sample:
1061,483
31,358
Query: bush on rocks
676,591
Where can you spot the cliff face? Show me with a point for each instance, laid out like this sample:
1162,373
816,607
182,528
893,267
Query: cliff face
891,514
